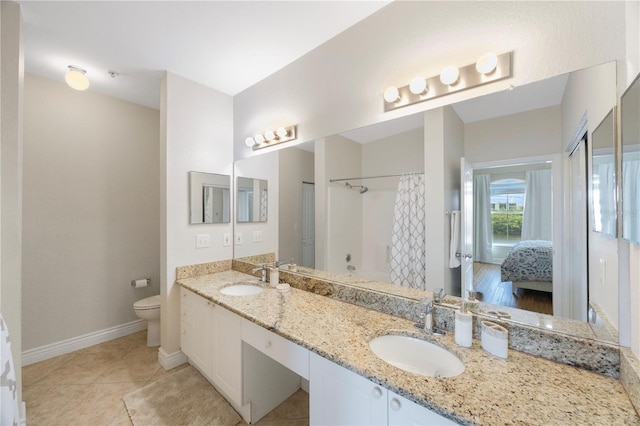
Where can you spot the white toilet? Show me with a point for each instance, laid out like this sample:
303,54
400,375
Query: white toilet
149,309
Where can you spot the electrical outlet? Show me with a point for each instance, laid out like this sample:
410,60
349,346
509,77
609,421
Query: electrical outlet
226,240
238,238
203,240
257,236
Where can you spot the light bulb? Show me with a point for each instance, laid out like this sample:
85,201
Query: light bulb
269,135
249,142
487,63
259,138
392,94
418,86
449,75
282,132
76,78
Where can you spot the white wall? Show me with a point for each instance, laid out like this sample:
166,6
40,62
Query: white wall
265,167
11,116
339,85
196,130
444,142
401,153
296,166
90,211
521,135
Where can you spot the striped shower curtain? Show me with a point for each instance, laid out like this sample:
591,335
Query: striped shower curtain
407,241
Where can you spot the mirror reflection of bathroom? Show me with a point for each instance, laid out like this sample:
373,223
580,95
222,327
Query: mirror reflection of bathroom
252,199
210,198
630,111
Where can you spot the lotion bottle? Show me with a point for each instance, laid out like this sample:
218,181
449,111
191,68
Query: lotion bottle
463,326
274,276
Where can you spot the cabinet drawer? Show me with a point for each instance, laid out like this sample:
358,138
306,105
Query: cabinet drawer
292,356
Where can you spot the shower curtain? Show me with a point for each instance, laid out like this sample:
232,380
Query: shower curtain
407,241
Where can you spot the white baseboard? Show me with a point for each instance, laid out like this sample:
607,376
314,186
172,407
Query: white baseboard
169,361
76,343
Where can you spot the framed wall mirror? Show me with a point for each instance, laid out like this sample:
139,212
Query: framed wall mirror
209,198
630,111
252,200
354,223
603,177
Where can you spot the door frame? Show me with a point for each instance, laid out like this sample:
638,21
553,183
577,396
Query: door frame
560,302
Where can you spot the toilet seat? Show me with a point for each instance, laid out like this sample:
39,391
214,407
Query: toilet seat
152,302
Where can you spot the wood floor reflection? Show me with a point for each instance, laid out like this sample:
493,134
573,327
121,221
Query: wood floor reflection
486,279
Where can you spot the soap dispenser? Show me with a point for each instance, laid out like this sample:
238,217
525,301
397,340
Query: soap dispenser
274,275
463,326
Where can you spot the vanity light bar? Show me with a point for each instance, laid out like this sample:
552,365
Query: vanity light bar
271,137
474,75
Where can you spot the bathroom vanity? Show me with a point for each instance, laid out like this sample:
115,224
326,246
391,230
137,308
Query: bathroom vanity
295,335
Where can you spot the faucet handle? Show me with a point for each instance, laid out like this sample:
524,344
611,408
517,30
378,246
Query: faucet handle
438,295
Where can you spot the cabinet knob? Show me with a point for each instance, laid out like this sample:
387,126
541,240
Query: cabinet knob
377,393
395,404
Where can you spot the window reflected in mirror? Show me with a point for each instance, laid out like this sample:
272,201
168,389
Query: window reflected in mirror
603,177
253,200
209,198
630,111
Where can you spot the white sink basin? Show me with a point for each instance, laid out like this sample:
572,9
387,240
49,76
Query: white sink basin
416,356
241,289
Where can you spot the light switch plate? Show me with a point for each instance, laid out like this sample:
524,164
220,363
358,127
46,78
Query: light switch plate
226,240
257,236
238,238
203,240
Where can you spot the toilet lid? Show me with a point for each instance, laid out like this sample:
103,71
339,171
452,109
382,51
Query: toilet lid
148,303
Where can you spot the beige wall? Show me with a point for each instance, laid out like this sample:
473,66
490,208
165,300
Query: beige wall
90,214
11,145
296,166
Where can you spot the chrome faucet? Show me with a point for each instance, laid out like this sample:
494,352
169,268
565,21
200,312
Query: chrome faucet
428,315
279,263
262,268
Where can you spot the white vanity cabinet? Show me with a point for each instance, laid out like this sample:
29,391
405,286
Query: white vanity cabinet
211,339
338,396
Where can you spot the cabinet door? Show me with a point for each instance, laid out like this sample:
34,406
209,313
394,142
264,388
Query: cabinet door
227,353
201,334
403,412
186,330
338,396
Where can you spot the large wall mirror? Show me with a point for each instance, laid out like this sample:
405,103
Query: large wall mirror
630,111
252,200
209,198
342,213
603,177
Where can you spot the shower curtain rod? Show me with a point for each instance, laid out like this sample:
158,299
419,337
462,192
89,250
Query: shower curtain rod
373,177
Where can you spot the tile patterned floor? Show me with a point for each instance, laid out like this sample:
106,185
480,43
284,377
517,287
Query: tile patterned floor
86,387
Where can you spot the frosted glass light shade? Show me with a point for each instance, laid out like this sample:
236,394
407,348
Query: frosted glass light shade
418,85
487,63
449,75
76,79
249,142
269,135
258,138
392,94
282,132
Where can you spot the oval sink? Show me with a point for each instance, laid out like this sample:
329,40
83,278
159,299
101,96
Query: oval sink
241,289
416,356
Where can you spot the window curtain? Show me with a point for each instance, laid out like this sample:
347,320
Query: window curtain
536,220
482,232
631,200
407,241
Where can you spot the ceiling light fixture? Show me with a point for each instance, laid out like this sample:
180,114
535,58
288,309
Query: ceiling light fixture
418,86
76,78
488,68
271,138
450,75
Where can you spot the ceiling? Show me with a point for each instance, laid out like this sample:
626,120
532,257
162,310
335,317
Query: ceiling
225,45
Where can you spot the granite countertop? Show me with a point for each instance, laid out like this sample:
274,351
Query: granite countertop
522,389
